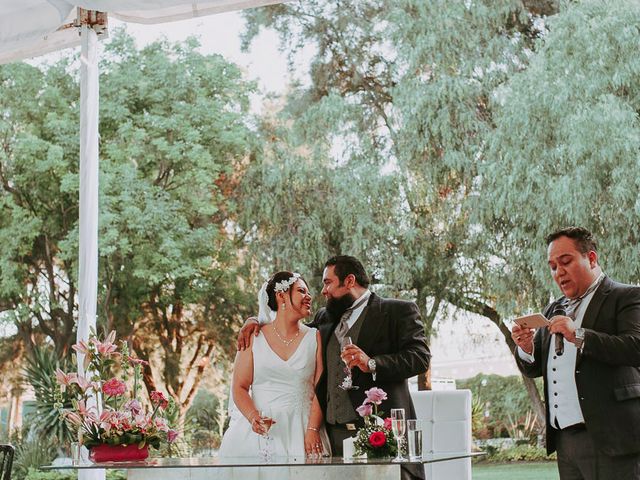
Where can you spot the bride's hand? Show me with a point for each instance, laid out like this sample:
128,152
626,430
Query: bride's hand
258,423
312,443
250,327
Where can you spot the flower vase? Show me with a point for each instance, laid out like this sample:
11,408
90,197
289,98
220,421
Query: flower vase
118,453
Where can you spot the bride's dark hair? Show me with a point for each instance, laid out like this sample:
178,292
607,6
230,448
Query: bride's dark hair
271,285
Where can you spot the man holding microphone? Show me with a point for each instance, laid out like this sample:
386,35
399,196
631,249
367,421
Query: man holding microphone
591,378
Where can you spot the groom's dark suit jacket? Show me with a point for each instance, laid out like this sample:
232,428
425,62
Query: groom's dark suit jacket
392,333
607,372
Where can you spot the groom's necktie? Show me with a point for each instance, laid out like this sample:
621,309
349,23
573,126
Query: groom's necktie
572,305
343,326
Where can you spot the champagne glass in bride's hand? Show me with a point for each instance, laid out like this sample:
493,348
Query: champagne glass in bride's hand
398,425
347,382
265,440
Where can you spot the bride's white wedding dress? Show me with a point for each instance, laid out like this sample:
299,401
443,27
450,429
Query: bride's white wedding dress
284,391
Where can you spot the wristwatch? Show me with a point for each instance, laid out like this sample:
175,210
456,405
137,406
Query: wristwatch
579,341
372,368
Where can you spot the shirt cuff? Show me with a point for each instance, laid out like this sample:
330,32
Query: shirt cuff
525,356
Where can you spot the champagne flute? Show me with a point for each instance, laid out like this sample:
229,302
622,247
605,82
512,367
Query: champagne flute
398,425
265,440
347,383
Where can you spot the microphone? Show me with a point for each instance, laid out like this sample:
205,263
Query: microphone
559,310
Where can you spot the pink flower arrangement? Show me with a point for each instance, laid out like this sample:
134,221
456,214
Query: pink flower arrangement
118,417
376,438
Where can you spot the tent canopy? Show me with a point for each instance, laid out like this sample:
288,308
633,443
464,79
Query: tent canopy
35,27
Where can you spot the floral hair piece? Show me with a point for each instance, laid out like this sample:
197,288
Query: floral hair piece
265,314
284,285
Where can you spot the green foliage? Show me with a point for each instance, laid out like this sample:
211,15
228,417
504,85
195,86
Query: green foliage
40,372
521,453
564,148
203,421
174,133
504,404
477,415
386,140
31,453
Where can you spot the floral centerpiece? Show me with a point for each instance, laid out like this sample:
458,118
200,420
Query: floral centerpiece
110,419
376,438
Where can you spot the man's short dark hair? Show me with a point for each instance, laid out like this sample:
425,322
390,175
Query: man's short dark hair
582,237
347,265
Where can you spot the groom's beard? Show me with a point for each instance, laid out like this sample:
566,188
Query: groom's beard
337,306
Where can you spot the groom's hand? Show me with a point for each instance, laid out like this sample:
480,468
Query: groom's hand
354,357
250,327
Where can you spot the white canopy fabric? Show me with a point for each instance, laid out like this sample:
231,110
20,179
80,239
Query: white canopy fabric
35,27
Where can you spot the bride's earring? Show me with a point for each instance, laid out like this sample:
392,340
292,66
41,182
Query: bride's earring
283,306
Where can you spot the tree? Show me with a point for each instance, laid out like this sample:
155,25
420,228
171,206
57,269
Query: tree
174,135
404,87
565,148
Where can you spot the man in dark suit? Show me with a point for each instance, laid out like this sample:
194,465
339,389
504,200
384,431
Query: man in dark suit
389,346
592,380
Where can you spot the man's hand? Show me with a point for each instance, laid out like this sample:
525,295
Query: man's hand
563,325
355,358
251,326
523,338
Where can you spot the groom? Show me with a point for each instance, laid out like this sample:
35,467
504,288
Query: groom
389,346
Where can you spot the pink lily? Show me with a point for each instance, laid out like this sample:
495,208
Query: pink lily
82,347
107,347
82,382
65,379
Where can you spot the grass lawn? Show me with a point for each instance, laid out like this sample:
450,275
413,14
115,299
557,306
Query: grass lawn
519,470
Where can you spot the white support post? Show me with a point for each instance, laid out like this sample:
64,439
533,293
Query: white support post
88,256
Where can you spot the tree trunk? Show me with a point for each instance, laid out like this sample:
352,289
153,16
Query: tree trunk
486,311
536,401
424,380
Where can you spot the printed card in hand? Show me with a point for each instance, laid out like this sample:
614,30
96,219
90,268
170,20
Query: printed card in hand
534,320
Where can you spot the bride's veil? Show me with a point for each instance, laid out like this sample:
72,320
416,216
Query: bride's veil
265,315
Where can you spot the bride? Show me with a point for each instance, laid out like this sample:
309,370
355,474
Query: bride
274,380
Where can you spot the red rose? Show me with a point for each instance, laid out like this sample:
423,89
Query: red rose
377,439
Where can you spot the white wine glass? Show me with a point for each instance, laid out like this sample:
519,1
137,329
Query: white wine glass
399,426
347,383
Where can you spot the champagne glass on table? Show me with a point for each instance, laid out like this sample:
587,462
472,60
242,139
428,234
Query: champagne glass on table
399,426
347,383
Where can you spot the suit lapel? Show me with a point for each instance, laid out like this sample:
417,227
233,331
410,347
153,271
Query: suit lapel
370,324
599,296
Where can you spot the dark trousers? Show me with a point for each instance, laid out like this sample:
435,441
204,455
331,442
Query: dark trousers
337,433
579,460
